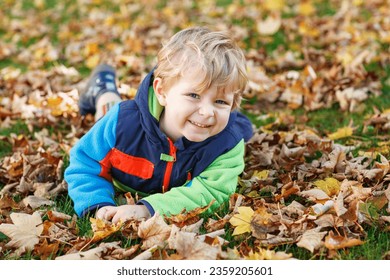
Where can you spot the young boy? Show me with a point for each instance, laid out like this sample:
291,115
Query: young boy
179,144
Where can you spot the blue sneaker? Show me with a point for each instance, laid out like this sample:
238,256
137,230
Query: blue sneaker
102,80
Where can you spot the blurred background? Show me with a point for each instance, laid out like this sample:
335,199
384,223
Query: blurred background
301,54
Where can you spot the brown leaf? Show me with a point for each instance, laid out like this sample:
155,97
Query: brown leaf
189,247
329,220
261,223
153,231
129,199
336,161
333,242
36,202
55,216
121,253
45,250
213,225
287,190
316,195
188,217
7,202
312,239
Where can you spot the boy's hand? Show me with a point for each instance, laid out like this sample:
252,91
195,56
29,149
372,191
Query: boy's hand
122,213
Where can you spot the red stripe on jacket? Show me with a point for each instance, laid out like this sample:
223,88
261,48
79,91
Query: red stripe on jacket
168,170
136,166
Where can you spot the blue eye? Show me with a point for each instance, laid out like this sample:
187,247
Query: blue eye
194,95
222,102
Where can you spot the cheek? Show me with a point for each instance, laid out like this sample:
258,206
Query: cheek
224,118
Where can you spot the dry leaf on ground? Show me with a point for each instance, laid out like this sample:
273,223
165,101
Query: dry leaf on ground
153,231
24,232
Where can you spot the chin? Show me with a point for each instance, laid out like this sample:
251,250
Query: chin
196,139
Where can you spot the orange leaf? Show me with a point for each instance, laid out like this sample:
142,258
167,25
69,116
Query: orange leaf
189,217
333,242
44,250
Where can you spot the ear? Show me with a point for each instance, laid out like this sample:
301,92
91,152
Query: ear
158,91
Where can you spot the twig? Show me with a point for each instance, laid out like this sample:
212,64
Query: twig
62,241
212,234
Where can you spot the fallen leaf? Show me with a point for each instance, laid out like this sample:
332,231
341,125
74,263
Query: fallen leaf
102,229
24,232
312,239
36,202
330,186
45,250
242,220
315,195
56,216
261,223
7,202
188,217
189,247
342,132
336,242
153,231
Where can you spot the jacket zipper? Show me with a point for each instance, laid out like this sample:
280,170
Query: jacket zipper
168,169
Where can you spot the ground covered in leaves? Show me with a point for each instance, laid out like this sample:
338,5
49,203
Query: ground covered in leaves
312,192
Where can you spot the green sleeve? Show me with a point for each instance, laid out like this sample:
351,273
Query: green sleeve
217,182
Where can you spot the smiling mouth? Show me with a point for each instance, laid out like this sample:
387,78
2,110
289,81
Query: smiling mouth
199,124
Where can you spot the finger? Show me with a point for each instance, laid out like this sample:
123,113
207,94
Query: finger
116,218
110,213
100,213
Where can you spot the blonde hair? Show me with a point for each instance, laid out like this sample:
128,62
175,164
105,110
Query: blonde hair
215,54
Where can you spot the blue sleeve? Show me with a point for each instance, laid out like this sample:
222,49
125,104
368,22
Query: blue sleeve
86,187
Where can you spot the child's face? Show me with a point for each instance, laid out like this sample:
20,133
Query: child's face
196,116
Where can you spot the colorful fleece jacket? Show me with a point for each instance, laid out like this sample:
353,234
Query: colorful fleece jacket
126,150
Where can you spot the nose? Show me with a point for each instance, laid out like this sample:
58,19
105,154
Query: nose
206,109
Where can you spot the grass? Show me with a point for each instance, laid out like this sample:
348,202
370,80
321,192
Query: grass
376,245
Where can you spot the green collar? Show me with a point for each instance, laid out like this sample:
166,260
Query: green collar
154,107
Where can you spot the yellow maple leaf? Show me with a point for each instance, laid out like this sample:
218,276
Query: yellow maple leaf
102,229
261,175
242,220
330,186
341,133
